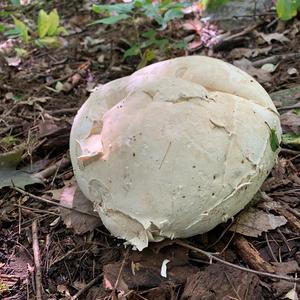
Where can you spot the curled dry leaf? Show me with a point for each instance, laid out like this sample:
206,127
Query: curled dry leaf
253,222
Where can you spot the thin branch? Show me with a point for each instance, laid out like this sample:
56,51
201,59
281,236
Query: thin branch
275,58
84,289
51,202
213,257
121,269
37,264
53,169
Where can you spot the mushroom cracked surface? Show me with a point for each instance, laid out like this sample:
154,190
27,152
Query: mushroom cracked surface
174,149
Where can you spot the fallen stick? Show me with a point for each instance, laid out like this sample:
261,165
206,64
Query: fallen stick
63,163
275,58
52,202
37,264
90,284
251,256
212,257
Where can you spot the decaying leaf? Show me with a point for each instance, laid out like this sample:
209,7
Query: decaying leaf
284,268
246,65
9,176
13,61
290,122
280,37
72,197
222,282
143,269
254,222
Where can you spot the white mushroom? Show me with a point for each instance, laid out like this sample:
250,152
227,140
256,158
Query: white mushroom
174,149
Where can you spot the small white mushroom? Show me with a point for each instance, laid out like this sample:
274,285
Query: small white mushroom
174,149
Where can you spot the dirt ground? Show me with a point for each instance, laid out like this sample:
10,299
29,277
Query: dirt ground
68,255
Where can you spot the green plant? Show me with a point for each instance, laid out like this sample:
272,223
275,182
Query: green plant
145,42
47,29
287,9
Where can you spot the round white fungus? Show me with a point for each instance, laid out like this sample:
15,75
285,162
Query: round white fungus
174,149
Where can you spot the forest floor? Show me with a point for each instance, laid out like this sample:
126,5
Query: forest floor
64,254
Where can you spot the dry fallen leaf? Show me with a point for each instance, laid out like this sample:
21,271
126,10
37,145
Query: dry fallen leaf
290,122
253,222
270,68
292,294
280,37
238,53
72,197
288,267
246,65
13,61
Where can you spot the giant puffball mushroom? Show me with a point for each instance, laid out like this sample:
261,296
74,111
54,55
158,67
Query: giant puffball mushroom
174,149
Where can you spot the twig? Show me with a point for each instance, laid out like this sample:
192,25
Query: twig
275,58
289,151
213,257
236,35
36,210
288,107
284,239
121,269
84,289
232,286
270,249
51,202
63,163
63,111
37,264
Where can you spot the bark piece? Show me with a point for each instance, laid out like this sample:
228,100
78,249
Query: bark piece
251,256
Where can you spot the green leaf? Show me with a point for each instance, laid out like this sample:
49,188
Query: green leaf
53,19
48,41
43,23
181,45
148,56
9,176
172,14
59,86
286,9
132,51
152,40
2,27
16,2
22,28
297,111
213,4
274,142
122,8
111,20
291,139
62,30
